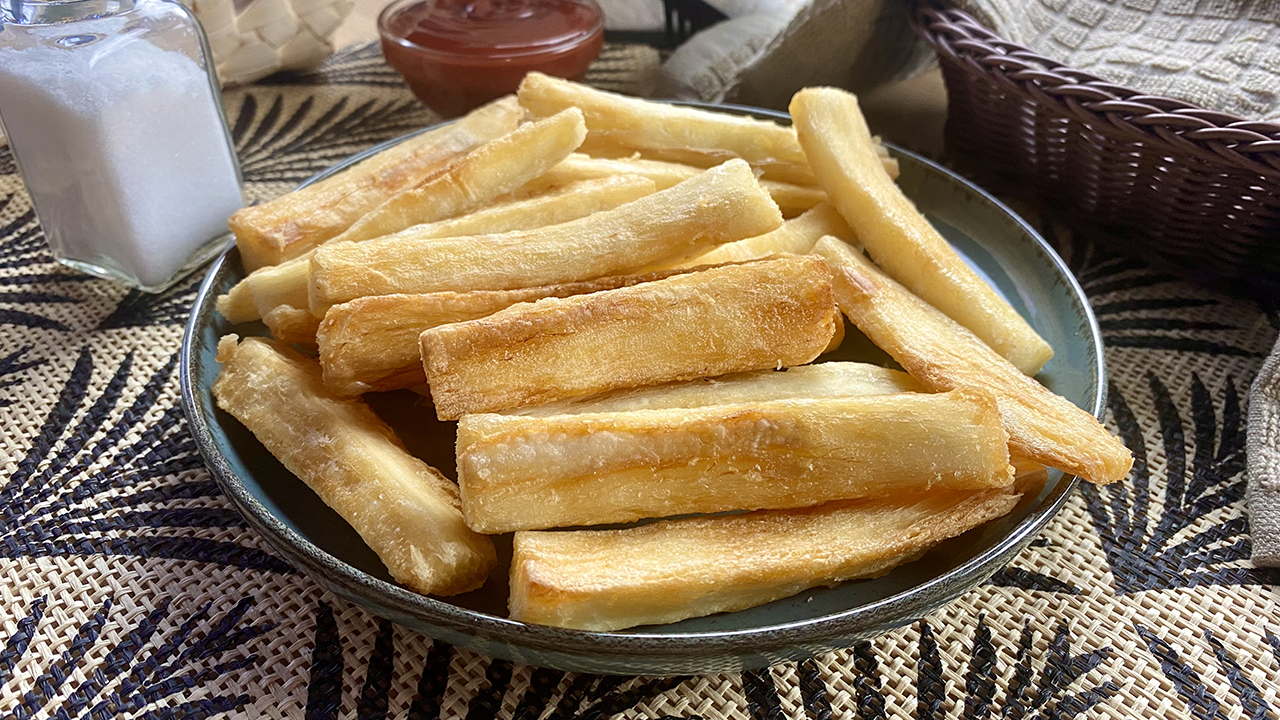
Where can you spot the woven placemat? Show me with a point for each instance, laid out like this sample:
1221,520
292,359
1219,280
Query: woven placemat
131,588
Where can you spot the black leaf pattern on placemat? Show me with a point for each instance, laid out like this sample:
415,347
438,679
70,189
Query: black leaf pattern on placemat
30,283
7,165
1174,535
354,65
1038,685
11,367
280,142
1014,576
1200,700
139,309
1156,320
143,667
94,484
1024,579
763,702
549,694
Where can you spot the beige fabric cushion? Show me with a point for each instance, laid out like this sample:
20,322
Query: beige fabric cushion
764,57
1263,455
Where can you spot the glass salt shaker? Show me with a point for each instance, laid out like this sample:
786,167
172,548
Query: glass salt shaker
115,118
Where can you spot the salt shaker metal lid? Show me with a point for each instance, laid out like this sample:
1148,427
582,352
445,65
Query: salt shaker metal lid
115,119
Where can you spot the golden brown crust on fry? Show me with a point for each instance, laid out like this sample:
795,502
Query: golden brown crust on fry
796,237
771,313
803,382
371,344
642,124
286,284
293,223
840,151
237,305
292,325
472,181
405,510
792,199
675,569
525,473
943,355
720,205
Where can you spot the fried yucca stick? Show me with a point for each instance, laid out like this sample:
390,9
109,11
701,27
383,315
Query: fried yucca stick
676,569
720,205
604,147
836,140
286,284
404,509
295,222
495,168
766,314
619,126
796,236
237,305
527,473
942,354
558,205
600,146
803,382
642,124
292,325
371,343
792,199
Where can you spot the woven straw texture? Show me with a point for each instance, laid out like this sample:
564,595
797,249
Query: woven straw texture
130,588
1218,54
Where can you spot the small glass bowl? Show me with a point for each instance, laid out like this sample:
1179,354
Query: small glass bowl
453,82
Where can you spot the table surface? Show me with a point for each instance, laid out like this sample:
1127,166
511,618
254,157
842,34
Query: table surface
130,587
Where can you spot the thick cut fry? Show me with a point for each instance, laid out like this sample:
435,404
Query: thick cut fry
237,304
942,354
642,124
721,205
804,382
371,343
605,147
792,199
283,285
293,223
527,473
676,569
767,314
286,283
291,325
495,168
836,140
558,205
796,236
404,509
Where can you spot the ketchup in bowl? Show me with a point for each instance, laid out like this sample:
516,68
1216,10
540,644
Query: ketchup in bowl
459,54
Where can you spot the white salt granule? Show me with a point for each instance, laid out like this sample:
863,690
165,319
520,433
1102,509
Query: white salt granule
123,151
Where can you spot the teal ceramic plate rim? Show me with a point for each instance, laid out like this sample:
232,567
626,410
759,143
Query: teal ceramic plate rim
649,652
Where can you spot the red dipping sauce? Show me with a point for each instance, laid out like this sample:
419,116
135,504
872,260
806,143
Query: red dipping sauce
459,54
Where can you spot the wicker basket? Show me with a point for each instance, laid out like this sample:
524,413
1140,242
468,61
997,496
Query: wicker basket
1190,190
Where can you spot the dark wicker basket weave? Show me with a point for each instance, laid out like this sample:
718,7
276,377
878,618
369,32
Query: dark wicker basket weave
1193,191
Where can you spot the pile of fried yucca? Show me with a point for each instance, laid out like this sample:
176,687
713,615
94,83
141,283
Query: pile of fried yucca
605,295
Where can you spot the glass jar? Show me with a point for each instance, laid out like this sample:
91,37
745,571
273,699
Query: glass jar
116,122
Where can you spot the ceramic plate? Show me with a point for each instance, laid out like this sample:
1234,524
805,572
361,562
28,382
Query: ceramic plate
316,541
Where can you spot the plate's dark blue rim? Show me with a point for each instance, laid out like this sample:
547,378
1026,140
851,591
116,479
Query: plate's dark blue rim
856,622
